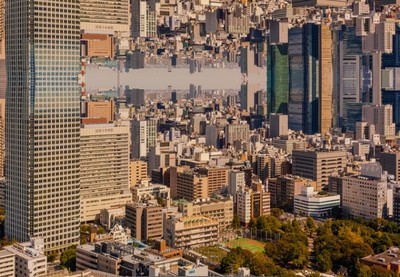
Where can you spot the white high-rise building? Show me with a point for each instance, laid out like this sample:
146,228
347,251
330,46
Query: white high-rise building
143,136
104,169
243,202
143,20
43,122
236,181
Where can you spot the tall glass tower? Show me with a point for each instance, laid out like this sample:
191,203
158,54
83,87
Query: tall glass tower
42,121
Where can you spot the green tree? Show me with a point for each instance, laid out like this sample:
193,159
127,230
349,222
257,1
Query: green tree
323,261
262,223
236,222
68,259
310,226
51,258
252,223
100,230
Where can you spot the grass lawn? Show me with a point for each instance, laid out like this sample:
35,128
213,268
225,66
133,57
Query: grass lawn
214,254
249,244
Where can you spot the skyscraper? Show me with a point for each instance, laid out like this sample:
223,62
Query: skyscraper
42,122
2,50
277,76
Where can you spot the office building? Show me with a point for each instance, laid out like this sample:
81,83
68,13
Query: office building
143,136
310,78
29,260
144,220
3,76
236,132
278,125
373,202
105,17
221,209
195,231
189,185
2,135
43,123
317,165
237,182
382,117
277,78
138,172
135,97
217,178
246,94
391,163
104,169
311,203
143,19
284,188
319,3
325,79
161,155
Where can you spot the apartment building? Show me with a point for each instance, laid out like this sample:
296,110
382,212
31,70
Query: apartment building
7,264
138,171
145,190
217,178
189,184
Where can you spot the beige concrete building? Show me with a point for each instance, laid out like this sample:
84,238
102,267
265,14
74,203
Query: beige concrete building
195,231
366,195
2,135
317,165
29,260
236,132
221,209
217,178
7,264
138,171
382,117
145,221
243,205
284,188
104,169
105,16
278,125
189,184
145,190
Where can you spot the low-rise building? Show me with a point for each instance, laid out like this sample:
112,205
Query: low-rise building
29,258
145,190
221,209
388,260
314,204
7,264
195,231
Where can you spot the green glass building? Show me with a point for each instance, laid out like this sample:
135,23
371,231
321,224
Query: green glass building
277,78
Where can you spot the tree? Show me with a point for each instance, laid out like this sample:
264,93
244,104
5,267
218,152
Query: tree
262,223
51,257
323,261
100,230
310,226
252,223
68,259
236,222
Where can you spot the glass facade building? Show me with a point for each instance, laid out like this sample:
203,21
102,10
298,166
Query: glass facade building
43,122
277,78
